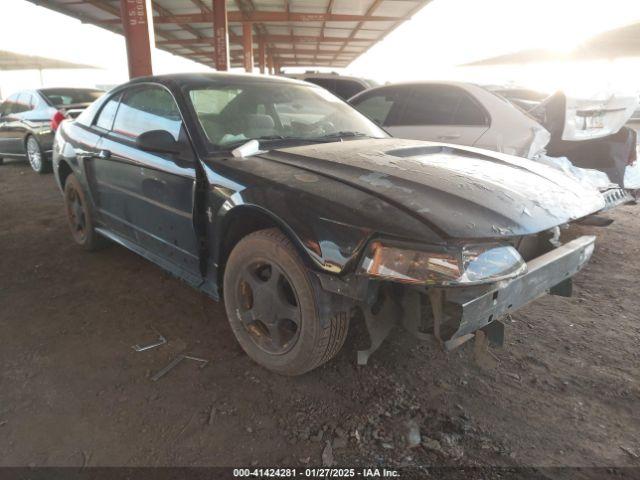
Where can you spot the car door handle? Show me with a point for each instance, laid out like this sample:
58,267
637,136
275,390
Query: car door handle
83,154
452,136
104,154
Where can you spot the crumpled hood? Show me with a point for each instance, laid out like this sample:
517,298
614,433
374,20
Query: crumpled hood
461,192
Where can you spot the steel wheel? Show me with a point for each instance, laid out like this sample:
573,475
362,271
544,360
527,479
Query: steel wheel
76,214
278,311
79,216
34,154
269,307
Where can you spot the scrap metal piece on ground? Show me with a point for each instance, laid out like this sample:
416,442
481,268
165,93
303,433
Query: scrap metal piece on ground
158,375
203,361
142,348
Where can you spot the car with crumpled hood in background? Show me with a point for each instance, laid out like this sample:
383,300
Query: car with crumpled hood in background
584,137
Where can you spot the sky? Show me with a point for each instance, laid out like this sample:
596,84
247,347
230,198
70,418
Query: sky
443,35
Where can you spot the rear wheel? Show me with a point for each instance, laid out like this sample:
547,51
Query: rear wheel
79,216
271,299
36,157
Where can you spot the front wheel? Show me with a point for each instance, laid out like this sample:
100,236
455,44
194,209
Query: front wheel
79,216
36,157
270,300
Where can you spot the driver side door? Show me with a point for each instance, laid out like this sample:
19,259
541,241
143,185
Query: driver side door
148,197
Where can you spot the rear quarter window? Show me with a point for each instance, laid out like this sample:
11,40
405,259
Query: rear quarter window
143,109
108,113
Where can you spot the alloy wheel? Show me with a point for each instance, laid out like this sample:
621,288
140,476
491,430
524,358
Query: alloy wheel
269,307
34,154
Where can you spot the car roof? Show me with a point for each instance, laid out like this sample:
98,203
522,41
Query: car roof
215,77
463,85
333,76
75,89
428,82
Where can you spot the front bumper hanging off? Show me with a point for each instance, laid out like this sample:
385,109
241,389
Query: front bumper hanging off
455,313
548,273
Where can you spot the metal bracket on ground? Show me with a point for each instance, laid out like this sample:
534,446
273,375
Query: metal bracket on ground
142,348
157,376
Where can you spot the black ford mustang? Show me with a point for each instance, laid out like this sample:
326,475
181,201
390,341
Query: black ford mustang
299,211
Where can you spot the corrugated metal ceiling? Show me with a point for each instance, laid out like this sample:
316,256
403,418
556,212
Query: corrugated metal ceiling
329,33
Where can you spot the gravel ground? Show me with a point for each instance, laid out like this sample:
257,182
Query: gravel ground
565,389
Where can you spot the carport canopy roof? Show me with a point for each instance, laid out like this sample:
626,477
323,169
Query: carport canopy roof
330,33
18,61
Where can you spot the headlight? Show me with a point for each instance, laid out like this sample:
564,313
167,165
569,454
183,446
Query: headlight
447,266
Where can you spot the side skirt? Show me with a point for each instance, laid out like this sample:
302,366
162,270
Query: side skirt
195,281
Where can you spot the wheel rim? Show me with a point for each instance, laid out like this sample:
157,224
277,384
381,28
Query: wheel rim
269,309
33,152
76,214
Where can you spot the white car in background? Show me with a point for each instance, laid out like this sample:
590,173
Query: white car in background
585,138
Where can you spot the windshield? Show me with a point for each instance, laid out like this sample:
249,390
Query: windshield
59,97
233,114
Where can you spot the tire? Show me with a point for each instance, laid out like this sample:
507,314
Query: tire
270,299
1,161
36,156
79,216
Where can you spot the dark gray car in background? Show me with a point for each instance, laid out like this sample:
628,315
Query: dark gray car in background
29,119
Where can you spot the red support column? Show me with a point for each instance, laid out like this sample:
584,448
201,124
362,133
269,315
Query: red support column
136,34
270,62
261,54
220,35
247,44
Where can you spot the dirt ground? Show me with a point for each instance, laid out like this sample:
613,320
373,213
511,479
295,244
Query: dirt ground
565,390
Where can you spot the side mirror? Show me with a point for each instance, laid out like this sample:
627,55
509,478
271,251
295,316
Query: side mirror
159,141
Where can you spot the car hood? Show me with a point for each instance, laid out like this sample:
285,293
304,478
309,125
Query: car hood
460,192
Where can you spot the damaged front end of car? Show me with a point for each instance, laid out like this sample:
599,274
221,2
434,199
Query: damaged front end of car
451,292
442,240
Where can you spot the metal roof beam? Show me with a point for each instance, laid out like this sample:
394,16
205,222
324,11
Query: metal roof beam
251,17
267,38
